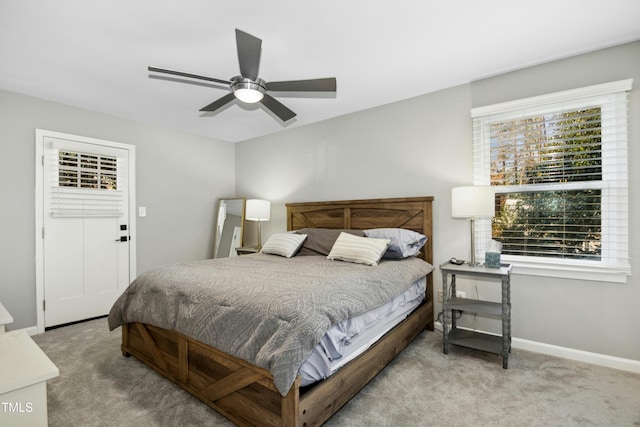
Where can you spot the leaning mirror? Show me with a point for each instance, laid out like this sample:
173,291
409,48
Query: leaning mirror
229,227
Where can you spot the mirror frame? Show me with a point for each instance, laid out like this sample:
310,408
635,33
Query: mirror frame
218,233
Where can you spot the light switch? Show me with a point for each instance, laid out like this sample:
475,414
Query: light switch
142,211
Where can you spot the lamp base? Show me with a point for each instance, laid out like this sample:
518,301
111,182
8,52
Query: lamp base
472,259
259,236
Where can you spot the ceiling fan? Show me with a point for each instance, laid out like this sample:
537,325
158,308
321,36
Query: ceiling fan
249,88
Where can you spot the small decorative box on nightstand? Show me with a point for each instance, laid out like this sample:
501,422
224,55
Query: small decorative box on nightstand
492,259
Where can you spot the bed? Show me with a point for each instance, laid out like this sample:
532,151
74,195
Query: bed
248,394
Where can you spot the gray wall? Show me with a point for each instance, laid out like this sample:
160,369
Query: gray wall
179,179
422,146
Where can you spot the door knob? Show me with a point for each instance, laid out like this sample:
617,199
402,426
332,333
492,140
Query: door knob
122,239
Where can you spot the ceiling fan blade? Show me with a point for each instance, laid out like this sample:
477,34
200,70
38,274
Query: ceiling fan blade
191,76
314,85
277,108
219,103
249,48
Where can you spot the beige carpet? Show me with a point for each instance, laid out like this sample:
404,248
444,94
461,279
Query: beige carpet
98,386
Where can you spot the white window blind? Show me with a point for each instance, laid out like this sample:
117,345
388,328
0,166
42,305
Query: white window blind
92,171
86,185
559,167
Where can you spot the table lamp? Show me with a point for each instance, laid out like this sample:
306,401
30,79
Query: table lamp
259,211
473,202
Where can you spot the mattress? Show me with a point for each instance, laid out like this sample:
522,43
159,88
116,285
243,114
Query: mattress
351,337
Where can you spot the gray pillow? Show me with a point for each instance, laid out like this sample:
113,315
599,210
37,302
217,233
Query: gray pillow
319,241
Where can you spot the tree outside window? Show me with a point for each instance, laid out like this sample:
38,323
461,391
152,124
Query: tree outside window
551,149
558,163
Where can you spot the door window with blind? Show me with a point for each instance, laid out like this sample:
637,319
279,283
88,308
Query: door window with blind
87,185
80,170
558,164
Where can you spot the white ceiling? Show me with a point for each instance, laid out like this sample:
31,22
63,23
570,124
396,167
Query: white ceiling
94,54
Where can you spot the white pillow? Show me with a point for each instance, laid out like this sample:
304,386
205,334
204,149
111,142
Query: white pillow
283,244
361,250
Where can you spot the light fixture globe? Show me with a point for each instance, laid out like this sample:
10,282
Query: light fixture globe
249,91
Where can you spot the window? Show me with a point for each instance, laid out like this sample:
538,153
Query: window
87,185
87,171
559,167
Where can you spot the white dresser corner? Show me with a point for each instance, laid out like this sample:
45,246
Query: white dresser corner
24,370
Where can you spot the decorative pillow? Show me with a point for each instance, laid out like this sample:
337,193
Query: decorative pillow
320,240
361,250
283,244
404,243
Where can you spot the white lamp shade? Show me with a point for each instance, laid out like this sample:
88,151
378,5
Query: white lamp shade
475,201
258,210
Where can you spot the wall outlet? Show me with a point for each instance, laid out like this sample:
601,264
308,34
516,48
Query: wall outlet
459,294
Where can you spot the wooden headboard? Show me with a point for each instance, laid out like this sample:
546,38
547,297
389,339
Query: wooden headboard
413,213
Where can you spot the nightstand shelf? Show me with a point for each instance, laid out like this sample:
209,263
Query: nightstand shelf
498,344
475,306
476,340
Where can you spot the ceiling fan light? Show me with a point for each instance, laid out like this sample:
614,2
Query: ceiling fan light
250,96
248,91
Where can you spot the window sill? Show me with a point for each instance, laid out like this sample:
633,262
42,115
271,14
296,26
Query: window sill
564,271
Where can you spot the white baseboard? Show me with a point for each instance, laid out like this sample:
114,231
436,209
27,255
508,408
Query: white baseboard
578,355
572,354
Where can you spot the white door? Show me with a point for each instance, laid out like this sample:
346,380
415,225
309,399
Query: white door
86,228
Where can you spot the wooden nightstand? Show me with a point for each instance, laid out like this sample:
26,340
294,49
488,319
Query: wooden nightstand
247,250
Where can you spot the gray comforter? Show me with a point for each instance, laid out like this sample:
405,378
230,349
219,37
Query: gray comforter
268,310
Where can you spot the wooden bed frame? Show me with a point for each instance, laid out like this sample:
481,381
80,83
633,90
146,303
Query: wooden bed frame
245,393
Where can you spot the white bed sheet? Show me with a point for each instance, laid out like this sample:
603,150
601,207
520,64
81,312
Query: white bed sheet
350,338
